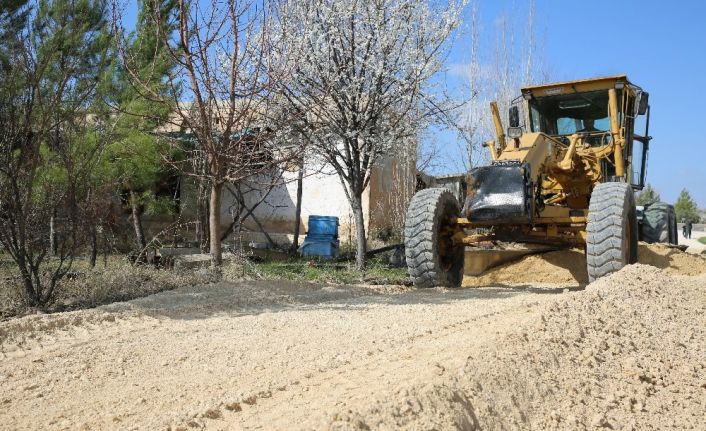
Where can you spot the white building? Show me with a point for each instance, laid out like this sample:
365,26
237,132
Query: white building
385,201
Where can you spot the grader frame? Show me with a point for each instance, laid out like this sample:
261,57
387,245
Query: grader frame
571,150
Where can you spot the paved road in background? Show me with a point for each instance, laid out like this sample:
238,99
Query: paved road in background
694,245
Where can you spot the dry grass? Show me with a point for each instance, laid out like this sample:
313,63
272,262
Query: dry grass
117,280
89,287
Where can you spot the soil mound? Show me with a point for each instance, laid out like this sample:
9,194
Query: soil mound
617,356
627,353
671,259
568,267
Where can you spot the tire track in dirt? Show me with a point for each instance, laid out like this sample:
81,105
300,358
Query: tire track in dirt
427,358
157,370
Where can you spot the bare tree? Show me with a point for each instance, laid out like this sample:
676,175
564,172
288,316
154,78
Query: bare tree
220,92
361,83
500,62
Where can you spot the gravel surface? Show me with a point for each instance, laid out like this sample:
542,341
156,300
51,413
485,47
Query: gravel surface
620,354
628,353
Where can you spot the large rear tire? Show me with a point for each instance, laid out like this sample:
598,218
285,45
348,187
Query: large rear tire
432,259
673,230
611,241
659,224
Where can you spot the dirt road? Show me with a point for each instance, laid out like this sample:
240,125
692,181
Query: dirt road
173,357
264,355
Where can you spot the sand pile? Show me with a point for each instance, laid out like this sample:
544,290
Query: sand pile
568,267
671,259
629,353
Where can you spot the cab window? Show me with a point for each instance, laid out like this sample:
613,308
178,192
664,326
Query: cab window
570,113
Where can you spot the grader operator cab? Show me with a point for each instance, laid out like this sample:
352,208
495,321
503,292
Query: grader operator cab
562,175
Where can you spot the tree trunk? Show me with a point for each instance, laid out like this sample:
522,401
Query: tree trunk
137,221
52,235
202,203
298,212
106,244
214,224
26,276
360,232
94,246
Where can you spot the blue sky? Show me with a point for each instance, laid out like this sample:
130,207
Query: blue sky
660,45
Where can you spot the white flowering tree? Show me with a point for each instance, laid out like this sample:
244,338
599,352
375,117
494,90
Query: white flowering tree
361,80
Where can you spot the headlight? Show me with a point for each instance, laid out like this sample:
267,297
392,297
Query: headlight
514,132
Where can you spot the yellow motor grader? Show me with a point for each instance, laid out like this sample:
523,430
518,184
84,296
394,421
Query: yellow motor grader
562,175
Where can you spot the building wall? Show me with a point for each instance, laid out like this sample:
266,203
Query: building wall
322,194
384,202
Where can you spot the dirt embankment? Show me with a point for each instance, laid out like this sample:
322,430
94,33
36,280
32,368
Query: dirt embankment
628,352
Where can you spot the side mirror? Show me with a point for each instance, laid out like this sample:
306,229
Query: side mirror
514,116
644,103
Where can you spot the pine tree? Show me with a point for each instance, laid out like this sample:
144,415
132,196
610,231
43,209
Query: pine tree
13,14
647,196
686,208
136,153
51,55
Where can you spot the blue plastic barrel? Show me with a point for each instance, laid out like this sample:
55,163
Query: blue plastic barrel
323,225
326,249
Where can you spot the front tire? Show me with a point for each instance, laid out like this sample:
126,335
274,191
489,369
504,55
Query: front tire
432,259
611,241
